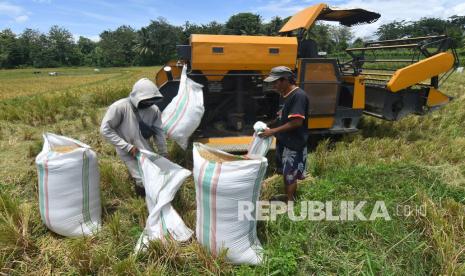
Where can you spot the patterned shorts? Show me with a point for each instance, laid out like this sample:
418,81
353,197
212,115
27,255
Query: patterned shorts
291,163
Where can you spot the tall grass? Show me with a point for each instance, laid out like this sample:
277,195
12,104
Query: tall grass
17,223
47,108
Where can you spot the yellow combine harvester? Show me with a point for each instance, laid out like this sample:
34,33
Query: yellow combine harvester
232,69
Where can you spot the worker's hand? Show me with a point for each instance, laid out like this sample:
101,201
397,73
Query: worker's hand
266,133
134,151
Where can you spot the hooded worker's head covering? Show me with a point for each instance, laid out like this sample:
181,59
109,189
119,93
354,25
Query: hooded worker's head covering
279,72
144,89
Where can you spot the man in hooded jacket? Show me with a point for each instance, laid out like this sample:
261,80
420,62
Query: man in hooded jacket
121,126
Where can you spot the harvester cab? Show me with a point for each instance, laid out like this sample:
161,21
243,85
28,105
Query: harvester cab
386,79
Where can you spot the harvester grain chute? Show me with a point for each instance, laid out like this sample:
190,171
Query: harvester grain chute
387,79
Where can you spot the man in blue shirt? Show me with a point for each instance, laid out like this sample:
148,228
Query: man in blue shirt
291,132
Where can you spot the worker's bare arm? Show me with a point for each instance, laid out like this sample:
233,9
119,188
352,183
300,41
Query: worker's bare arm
292,124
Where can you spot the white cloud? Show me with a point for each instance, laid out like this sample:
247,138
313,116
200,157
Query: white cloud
42,1
401,10
14,12
94,38
281,8
459,9
7,8
102,17
21,18
407,10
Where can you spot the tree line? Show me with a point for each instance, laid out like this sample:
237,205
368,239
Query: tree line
454,27
156,43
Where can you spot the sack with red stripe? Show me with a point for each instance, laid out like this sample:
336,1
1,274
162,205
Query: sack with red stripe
69,189
183,114
162,179
222,182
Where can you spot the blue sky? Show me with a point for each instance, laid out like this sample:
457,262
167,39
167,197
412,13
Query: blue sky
89,18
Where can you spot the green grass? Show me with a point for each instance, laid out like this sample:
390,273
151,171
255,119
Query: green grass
418,161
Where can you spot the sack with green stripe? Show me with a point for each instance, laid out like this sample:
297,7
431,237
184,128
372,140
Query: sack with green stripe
222,182
69,188
183,114
162,179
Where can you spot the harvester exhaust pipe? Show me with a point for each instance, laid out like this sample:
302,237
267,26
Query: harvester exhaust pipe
168,72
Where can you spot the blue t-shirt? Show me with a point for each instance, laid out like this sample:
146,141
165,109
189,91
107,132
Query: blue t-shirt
295,105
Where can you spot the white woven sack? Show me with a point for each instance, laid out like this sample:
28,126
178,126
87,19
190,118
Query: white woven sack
183,114
162,179
69,189
220,186
259,146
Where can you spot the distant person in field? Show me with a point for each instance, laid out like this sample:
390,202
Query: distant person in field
130,122
291,131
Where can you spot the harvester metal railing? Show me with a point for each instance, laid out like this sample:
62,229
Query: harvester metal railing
373,60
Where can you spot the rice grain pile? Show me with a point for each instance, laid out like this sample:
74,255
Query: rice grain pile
64,149
219,157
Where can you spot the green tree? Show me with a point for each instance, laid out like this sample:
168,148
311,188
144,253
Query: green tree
45,56
393,30
358,43
63,46
320,32
454,27
10,55
189,29
118,46
435,26
97,57
29,44
272,28
243,24
144,44
341,36
86,47
210,28
428,26
157,43
458,22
